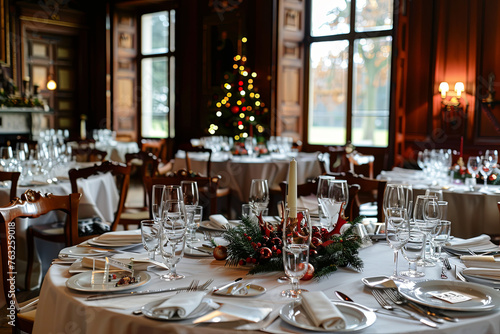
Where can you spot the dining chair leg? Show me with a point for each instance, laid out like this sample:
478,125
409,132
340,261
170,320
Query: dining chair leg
31,251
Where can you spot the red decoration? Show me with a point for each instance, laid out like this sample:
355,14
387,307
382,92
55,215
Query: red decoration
220,253
265,253
309,274
235,109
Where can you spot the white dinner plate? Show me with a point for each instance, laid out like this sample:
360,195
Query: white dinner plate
483,298
356,318
206,305
82,282
207,224
79,252
116,243
253,290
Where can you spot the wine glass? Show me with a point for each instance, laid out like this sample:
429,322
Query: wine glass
439,236
408,195
323,198
413,251
297,230
488,162
150,230
156,201
338,193
172,192
473,165
438,193
191,198
172,237
6,157
431,216
397,226
259,196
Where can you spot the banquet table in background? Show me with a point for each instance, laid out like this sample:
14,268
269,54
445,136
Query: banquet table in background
117,149
61,310
99,199
470,212
237,172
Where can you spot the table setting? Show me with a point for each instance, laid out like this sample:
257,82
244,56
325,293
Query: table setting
268,288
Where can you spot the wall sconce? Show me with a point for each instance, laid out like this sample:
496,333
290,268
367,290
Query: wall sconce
444,88
454,108
455,95
51,84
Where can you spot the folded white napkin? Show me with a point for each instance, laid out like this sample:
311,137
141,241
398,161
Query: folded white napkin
482,239
180,305
321,311
218,221
493,274
309,202
478,261
132,236
233,312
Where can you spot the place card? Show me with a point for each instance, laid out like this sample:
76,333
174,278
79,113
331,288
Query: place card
451,297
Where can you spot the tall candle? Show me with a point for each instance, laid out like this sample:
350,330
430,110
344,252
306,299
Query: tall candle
292,188
462,146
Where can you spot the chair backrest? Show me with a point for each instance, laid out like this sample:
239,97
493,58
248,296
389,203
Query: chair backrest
156,146
147,168
338,159
357,159
120,171
32,204
14,178
311,188
189,149
371,190
207,186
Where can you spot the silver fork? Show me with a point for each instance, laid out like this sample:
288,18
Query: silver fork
398,299
385,304
205,285
192,287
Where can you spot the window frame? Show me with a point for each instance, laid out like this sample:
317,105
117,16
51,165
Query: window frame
351,36
170,78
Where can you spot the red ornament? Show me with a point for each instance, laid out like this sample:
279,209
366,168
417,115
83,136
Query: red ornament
265,253
235,109
309,274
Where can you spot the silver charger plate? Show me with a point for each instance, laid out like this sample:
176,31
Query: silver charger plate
83,282
206,305
484,298
356,318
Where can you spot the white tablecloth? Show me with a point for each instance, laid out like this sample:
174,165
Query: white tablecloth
62,310
117,149
100,198
470,212
238,172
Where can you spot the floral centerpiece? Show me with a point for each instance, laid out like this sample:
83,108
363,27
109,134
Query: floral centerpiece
261,245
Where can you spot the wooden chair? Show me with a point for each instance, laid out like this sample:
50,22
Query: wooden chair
31,205
207,186
89,155
372,191
148,167
311,188
357,159
13,177
156,146
121,172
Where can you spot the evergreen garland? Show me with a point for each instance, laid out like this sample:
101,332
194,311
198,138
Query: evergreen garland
247,241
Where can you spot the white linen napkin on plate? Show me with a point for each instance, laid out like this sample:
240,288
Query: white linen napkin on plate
481,261
480,240
218,221
309,202
321,311
131,236
180,305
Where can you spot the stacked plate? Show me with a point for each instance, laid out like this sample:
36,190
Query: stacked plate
485,276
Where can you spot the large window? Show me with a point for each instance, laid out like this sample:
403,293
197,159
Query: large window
157,74
350,51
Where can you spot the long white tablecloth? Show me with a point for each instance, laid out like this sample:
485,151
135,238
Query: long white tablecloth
470,212
62,310
238,172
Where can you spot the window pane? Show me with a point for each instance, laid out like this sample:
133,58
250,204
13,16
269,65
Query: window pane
154,91
371,89
374,15
330,17
328,93
154,33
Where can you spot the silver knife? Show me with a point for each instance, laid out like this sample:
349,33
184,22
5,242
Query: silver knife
225,286
199,249
133,293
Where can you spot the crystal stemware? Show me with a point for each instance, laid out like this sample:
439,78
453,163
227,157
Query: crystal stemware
172,237
259,196
191,199
439,236
397,226
323,199
473,165
338,193
156,201
150,231
488,162
413,251
297,231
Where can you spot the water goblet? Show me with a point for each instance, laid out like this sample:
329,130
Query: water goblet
172,236
397,227
297,231
473,165
156,201
338,193
259,196
323,199
6,157
150,231
191,197
172,193
194,214
488,162
413,251
439,236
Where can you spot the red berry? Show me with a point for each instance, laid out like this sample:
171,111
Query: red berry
254,260
249,238
278,251
242,262
249,259
259,245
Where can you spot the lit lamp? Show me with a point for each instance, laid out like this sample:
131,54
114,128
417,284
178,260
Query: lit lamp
51,84
444,88
459,88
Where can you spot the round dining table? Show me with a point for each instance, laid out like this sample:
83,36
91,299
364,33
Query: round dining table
63,310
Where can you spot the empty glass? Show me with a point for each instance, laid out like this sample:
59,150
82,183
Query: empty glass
172,237
339,195
259,196
150,231
194,215
156,200
473,165
6,157
191,198
322,195
397,227
413,251
488,162
297,230
439,236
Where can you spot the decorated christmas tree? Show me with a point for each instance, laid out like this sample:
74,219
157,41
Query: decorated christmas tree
237,111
